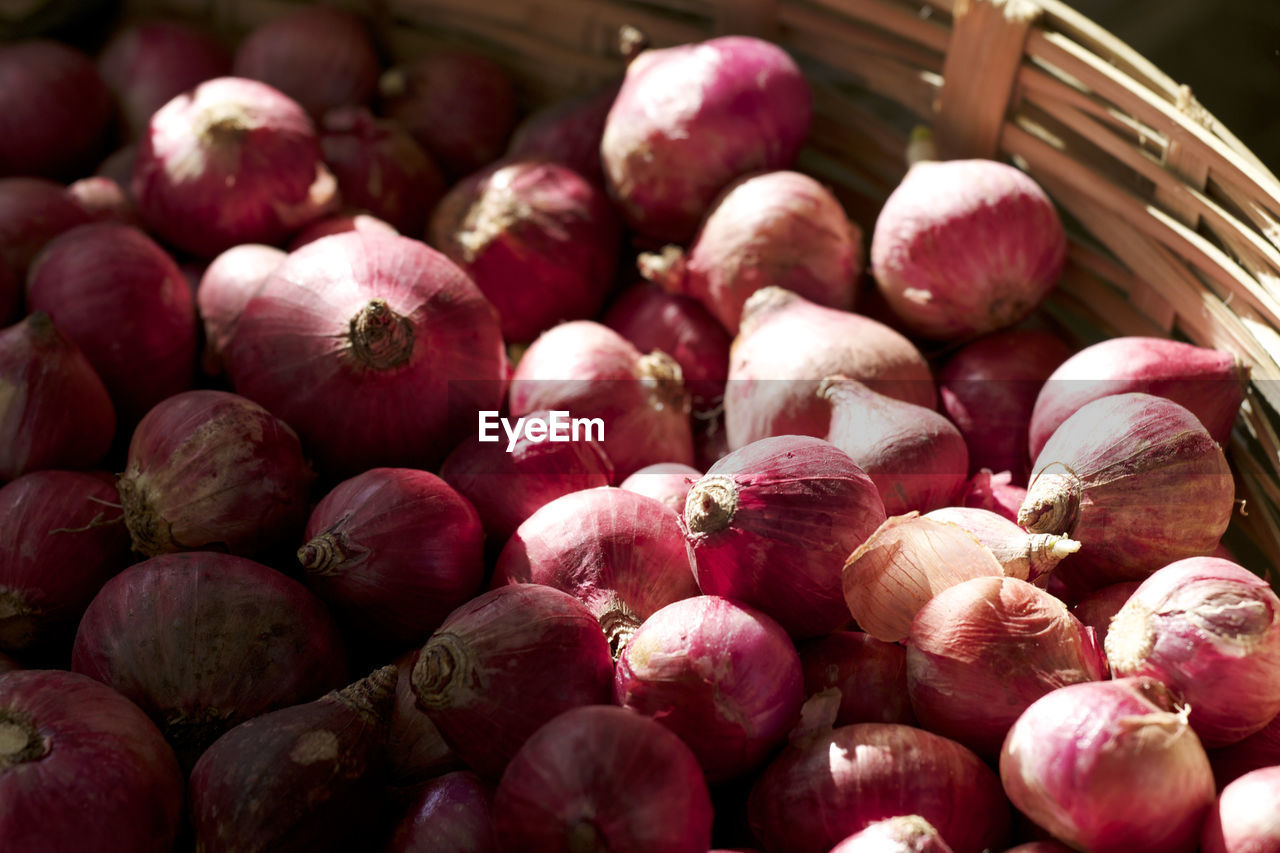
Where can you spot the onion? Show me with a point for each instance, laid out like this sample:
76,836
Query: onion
320,56
665,482
508,481
339,224
56,110
1110,766
231,161
1210,630
375,348
603,778
1137,481
915,456
590,371
690,119
567,132
979,653
994,492
988,389
210,470
81,768
907,834
619,553
300,778
121,298
1028,557
415,750
540,241
536,652
787,344
203,641
653,319
393,551
870,674
1099,607
451,814
459,105
828,785
771,524
965,247
225,288
380,168
46,377
774,228
1246,818
32,212
104,200
147,63
1258,750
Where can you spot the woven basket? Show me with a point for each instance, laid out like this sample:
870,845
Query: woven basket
1175,225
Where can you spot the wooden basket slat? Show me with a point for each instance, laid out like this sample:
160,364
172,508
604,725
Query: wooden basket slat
800,24
895,18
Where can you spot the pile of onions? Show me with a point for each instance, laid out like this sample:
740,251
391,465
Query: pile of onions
393,551
203,641
603,778
45,377
1246,818
452,813
870,674
375,348
566,132
666,482
225,288
770,525
1110,767
81,768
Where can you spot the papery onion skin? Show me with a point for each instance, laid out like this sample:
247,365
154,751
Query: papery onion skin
870,674
72,741
1099,607
771,524
452,813
339,224
1110,766
724,677
393,551
1026,556
691,118
415,750
603,778
202,641
46,377
784,348
993,491
375,348
965,247
827,786
63,541
906,834
225,288
568,132
1210,630
666,482
1246,817
537,652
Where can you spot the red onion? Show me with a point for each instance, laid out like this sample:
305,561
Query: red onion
415,750
539,240
393,551
380,168
225,288
104,200
124,302
915,456
375,348
150,62
567,132
506,662
231,161
46,377
459,105
32,212
508,480
320,56
966,247
828,785
988,389
619,553
62,543
1028,557
1210,383
653,319
690,119
603,778
55,108
870,674
1260,749
81,768
451,814
203,641
1110,767
979,653
1210,630
771,524
907,834
210,470
1099,607
339,224
773,228
300,778
665,482
590,371
1246,818
994,492
784,348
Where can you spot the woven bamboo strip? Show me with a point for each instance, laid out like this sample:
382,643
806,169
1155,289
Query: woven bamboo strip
799,24
897,18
